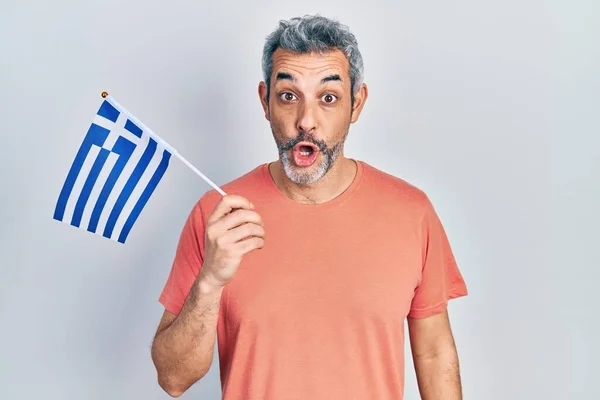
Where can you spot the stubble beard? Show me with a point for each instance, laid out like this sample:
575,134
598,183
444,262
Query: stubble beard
323,164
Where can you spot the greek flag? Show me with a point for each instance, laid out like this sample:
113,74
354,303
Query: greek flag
116,170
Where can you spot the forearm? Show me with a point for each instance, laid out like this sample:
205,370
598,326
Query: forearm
183,352
438,376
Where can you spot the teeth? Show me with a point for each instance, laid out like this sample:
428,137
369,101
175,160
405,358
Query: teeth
305,153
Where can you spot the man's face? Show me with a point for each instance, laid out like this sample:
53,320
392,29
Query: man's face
310,111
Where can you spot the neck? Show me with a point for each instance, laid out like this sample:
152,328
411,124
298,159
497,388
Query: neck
334,183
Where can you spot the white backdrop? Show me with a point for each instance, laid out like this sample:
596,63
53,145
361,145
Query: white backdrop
490,107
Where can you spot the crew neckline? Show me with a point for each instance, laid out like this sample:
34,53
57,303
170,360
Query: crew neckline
336,201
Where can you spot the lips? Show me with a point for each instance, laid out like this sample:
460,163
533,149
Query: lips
305,154
306,148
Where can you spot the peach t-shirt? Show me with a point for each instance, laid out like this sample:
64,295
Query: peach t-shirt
319,312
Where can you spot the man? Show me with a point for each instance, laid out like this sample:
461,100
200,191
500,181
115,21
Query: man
308,268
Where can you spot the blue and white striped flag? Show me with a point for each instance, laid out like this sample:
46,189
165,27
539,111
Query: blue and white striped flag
115,171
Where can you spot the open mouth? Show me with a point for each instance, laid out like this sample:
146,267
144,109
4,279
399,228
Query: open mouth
306,150
305,154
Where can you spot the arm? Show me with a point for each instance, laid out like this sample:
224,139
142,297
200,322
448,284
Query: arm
435,357
182,350
206,260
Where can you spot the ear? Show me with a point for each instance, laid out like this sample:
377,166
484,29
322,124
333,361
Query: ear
262,94
360,97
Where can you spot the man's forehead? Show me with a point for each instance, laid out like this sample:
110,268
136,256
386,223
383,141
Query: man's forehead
302,64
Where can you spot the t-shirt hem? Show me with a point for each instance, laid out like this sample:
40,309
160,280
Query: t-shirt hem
170,306
437,308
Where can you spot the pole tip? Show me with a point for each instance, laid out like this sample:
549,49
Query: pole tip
104,94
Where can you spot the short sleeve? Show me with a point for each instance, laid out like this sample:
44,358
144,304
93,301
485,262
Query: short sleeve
440,278
187,262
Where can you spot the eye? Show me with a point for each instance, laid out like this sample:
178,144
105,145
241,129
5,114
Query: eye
287,96
329,98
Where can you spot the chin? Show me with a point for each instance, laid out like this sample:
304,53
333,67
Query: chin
306,175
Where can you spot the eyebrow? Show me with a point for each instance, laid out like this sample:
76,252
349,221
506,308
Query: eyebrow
286,76
330,78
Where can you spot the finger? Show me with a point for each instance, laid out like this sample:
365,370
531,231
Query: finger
227,204
252,243
237,218
245,231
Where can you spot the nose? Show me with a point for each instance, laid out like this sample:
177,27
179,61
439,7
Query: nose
307,118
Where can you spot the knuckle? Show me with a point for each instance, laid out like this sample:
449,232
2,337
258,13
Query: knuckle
254,217
249,216
236,217
248,229
243,214
227,200
258,230
220,242
210,233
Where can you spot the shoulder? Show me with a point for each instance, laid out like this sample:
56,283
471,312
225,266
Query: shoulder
394,191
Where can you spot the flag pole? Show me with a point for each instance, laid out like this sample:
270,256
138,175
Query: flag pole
174,151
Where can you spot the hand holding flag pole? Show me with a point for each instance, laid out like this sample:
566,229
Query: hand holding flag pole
114,173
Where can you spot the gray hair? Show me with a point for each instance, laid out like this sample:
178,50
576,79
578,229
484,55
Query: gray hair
313,34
